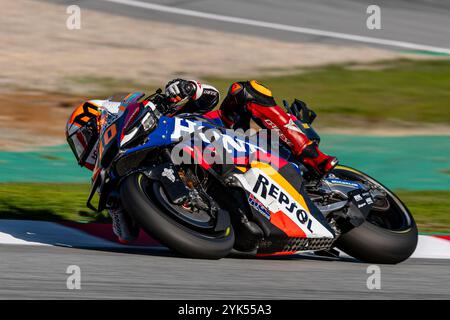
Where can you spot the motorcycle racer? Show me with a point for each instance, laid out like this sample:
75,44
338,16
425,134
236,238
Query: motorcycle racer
250,100
245,101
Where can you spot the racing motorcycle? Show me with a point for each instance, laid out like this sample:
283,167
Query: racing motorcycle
252,206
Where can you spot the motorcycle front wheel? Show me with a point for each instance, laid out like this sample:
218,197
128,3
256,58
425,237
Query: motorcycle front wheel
191,235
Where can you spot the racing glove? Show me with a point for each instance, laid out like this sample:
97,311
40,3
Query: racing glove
178,90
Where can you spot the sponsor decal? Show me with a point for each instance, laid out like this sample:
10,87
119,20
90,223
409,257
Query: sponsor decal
292,126
210,92
232,142
269,191
362,200
302,216
273,126
343,182
255,203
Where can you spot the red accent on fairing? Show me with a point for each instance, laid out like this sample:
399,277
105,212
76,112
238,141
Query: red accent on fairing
280,118
197,155
265,157
258,155
133,111
284,223
218,114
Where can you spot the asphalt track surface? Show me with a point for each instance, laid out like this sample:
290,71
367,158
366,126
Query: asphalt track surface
30,272
423,22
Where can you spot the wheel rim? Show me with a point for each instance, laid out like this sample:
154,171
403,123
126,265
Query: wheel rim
199,220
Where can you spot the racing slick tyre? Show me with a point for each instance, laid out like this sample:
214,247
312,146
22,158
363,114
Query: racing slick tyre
387,236
181,231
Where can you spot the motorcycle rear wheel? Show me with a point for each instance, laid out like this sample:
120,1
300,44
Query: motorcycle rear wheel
144,199
390,238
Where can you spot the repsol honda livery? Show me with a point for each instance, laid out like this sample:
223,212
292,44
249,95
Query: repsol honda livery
164,171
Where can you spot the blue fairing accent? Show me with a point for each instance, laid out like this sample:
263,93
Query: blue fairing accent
163,135
171,130
344,183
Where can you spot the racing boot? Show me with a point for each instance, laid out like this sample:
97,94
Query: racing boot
316,160
123,225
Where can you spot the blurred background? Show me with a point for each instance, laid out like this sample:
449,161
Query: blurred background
382,107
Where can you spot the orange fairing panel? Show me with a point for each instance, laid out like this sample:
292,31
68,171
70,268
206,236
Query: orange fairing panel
283,222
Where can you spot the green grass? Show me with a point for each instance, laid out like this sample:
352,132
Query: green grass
54,202
46,201
381,93
431,209
386,93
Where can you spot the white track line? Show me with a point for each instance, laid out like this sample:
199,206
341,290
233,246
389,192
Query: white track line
282,27
25,232
46,233
432,248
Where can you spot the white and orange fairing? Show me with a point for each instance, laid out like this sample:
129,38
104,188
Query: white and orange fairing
288,209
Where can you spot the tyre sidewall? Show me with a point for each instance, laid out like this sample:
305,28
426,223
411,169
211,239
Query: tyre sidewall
154,220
